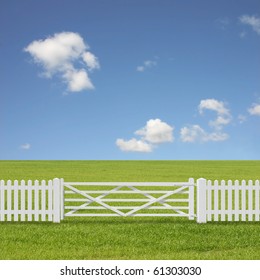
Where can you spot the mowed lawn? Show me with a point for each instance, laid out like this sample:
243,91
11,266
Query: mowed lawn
130,237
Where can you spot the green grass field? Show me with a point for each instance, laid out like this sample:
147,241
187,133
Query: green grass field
131,237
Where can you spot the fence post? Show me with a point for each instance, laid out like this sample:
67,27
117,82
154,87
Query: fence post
201,201
56,200
191,199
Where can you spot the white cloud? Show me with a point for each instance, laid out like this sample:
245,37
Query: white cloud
25,146
217,136
59,54
91,60
134,145
146,64
192,133
58,50
254,110
156,132
195,133
253,21
213,104
220,121
223,114
77,80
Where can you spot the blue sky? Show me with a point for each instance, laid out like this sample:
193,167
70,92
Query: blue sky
103,79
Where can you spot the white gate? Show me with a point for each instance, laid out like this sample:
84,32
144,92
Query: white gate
129,199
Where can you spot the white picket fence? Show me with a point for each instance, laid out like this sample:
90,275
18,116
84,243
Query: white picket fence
56,199
30,201
227,201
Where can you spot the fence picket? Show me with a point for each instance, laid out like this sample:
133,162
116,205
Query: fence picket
43,200
236,200
216,202
23,187
9,200
243,198
2,200
15,204
36,200
29,202
50,194
250,200
230,199
223,200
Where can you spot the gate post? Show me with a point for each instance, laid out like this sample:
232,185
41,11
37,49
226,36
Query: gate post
56,200
201,200
62,198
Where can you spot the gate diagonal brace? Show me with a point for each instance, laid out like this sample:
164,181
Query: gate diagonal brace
162,202
97,200
159,199
146,205
82,206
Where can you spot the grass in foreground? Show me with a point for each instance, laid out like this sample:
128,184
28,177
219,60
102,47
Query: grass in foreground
133,237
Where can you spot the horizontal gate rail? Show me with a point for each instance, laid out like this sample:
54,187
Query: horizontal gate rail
129,184
125,200
125,192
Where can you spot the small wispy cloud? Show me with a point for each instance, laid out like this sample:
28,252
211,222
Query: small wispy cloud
252,21
254,109
61,54
195,133
155,132
223,114
25,146
146,65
